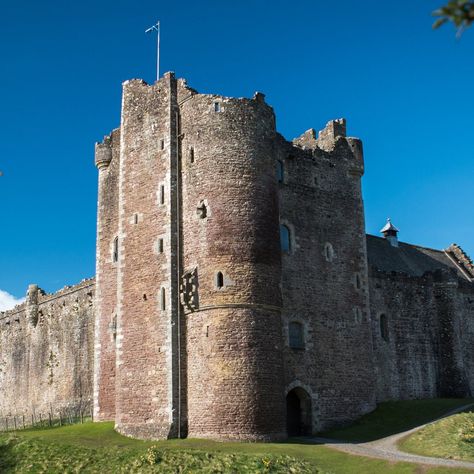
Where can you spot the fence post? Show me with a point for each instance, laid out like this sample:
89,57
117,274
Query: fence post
6,423
23,417
14,421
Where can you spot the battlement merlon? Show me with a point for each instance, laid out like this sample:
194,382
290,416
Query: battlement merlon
332,139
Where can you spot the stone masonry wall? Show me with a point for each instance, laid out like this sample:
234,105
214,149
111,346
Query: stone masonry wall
46,353
465,331
324,283
231,255
107,158
146,361
425,350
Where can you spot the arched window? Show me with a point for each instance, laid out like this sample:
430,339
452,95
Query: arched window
384,327
296,335
115,251
285,239
280,171
219,280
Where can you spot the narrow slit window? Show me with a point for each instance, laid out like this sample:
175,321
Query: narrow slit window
135,218
115,251
162,194
280,171
329,252
162,144
285,239
384,327
191,155
160,246
163,299
219,280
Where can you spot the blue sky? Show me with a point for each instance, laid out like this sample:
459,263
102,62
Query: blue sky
405,90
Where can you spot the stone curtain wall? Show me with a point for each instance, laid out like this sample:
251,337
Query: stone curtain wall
46,359
465,330
426,350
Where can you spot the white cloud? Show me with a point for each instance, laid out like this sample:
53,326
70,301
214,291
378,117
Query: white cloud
8,301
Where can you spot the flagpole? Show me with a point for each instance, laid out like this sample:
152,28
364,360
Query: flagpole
156,28
158,53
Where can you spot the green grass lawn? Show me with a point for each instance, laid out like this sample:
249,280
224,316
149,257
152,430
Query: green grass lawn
394,417
96,447
451,438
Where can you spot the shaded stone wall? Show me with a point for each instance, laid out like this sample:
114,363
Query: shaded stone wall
324,281
465,331
426,349
46,353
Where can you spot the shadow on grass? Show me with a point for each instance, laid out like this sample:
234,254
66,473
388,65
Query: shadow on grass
7,457
390,418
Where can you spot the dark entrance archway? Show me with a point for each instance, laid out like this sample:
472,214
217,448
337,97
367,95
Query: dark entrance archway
298,412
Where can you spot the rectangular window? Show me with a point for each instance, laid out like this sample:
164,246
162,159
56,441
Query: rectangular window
115,251
296,335
163,299
162,194
162,144
217,107
160,245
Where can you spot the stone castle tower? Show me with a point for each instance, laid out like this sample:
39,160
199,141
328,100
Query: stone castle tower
237,295
218,244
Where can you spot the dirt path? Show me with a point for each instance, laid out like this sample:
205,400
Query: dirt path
386,448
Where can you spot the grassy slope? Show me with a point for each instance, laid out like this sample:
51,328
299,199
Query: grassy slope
395,417
451,438
96,447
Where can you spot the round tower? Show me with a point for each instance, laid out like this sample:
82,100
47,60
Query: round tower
231,266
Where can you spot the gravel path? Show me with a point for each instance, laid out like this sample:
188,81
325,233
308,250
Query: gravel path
386,448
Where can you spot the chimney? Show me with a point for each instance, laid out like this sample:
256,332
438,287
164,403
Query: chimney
390,232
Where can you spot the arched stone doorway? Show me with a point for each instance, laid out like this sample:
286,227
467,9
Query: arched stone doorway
298,413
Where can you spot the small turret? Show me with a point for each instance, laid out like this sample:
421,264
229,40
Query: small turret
103,153
390,232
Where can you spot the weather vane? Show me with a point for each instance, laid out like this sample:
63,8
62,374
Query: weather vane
156,28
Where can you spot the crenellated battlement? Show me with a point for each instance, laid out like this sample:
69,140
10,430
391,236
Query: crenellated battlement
36,298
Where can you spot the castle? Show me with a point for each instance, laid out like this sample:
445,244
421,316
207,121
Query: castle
237,295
